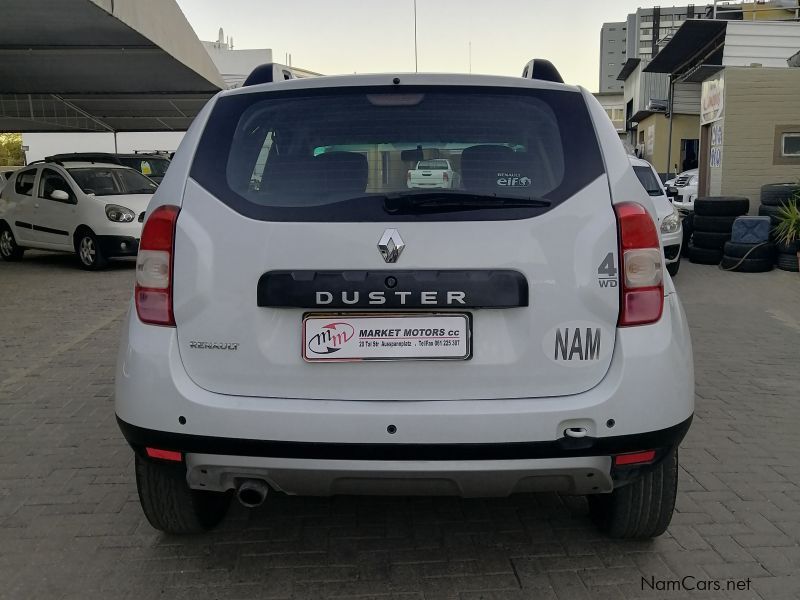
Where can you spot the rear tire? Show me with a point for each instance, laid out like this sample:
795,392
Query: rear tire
170,505
9,250
90,254
642,509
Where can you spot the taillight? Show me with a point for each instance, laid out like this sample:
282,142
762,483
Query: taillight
640,261
408,176
153,293
446,177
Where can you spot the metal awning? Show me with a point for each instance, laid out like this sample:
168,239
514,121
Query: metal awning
101,65
691,39
628,68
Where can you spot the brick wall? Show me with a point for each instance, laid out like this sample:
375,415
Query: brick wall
756,101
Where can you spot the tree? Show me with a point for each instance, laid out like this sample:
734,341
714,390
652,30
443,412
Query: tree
11,150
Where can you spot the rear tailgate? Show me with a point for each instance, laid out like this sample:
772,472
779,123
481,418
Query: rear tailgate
555,338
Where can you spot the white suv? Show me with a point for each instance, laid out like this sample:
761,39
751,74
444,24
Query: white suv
304,323
93,209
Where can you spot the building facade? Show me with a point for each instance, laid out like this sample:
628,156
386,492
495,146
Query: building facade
613,54
749,124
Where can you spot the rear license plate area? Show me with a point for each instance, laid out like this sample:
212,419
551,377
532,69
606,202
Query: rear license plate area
347,337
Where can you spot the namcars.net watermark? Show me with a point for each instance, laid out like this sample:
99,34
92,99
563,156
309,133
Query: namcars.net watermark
691,583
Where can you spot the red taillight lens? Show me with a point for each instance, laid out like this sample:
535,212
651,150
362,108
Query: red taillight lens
642,285
153,293
634,458
164,454
446,176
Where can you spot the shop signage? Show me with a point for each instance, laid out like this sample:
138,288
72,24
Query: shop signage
716,145
716,156
712,102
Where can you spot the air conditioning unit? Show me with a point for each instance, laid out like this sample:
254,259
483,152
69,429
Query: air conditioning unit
658,105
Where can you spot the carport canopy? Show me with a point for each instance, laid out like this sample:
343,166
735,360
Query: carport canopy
101,65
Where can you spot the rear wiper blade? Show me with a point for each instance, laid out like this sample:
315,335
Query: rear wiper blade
447,201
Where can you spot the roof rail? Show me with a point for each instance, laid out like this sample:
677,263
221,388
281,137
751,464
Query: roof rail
543,70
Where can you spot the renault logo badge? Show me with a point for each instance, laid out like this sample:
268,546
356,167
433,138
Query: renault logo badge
391,245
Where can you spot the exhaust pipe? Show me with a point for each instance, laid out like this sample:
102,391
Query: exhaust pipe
252,492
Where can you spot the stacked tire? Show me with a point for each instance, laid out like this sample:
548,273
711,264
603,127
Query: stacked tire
773,196
748,258
712,225
786,257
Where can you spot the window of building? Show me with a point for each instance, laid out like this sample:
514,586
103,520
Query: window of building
790,144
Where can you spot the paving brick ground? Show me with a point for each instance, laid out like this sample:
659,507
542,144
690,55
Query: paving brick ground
71,526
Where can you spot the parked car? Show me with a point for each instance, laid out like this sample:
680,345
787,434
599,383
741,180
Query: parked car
669,219
434,173
5,174
152,165
334,332
92,209
685,189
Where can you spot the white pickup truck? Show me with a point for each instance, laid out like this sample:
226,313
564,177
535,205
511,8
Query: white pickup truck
433,173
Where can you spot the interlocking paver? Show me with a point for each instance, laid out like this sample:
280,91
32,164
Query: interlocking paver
71,526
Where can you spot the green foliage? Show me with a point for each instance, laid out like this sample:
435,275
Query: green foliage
787,231
11,150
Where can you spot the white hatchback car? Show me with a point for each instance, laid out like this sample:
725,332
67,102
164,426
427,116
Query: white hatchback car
304,323
92,209
669,219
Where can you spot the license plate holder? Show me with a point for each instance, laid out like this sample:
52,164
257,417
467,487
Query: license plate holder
359,337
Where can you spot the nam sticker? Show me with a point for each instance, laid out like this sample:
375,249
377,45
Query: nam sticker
577,344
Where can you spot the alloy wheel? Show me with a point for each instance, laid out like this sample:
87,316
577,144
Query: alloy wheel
6,243
87,251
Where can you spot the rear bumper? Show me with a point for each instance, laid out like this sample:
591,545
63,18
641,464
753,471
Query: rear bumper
567,465
649,388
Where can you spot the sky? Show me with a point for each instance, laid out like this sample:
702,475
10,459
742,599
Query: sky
369,36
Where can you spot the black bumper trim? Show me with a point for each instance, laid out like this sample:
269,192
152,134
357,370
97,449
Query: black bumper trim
139,437
110,245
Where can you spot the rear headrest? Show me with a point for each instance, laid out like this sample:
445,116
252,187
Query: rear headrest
336,172
493,169
345,172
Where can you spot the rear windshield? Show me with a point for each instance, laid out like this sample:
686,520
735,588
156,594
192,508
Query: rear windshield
433,165
346,154
649,181
102,181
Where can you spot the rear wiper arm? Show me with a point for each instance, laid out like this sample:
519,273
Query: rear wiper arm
435,201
